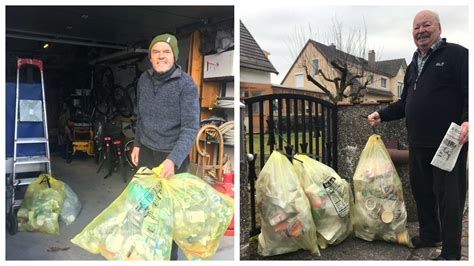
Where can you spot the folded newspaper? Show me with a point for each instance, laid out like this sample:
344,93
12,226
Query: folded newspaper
448,151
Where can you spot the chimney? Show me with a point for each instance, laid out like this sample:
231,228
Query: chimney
266,53
371,58
332,46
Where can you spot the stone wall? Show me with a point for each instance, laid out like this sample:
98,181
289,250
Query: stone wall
244,203
353,132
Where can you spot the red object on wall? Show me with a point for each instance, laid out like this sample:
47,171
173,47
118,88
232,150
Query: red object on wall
226,189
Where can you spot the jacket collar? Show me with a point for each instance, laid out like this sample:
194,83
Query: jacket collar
436,46
175,74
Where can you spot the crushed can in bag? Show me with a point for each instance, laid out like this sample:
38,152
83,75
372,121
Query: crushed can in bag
379,210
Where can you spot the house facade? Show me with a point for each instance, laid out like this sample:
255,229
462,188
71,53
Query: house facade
255,71
384,78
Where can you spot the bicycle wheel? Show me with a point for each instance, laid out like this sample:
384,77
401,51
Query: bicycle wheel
103,108
97,155
122,102
103,87
128,148
104,79
132,94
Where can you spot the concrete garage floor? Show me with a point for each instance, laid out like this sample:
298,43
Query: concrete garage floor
95,194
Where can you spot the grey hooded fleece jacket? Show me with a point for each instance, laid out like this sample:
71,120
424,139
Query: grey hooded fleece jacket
168,114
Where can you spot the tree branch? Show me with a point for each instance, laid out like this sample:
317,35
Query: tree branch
319,85
325,77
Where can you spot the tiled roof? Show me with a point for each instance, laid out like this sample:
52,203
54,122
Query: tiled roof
377,91
387,68
332,52
251,55
390,67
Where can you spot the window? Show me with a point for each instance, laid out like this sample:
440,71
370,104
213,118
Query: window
370,79
315,66
383,83
256,106
299,80
400,89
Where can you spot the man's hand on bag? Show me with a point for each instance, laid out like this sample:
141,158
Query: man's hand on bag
168,168
134,155
464,136
374,119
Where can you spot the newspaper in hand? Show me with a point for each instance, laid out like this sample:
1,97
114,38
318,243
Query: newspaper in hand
448,151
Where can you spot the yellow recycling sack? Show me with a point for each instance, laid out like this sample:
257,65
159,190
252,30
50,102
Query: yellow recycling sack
41,206
201,216
330,199
135,226
379,211
152,211
285,214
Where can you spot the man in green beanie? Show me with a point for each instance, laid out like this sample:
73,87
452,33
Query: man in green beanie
168,112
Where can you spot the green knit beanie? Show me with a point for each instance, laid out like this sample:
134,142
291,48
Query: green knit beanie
169,39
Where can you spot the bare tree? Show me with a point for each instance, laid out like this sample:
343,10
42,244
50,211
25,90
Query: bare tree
347,49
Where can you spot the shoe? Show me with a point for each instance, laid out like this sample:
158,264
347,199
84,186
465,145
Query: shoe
420,243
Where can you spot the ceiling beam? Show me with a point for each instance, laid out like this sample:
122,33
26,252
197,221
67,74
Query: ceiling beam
65,41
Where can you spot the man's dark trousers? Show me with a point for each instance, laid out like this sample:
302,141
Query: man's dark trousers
440,197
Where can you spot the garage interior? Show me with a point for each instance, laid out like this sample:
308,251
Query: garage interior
92,57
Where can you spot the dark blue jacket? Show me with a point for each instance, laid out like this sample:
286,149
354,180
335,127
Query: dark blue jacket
441,96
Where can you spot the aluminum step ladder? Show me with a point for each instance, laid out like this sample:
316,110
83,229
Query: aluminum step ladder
25,113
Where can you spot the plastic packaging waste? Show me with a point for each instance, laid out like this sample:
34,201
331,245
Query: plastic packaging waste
137,225
201,216
285,213
151,212
330,199
379,211
41,206
71,207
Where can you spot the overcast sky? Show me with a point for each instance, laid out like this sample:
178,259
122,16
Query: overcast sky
388,28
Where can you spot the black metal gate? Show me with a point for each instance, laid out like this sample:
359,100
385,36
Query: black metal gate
291,123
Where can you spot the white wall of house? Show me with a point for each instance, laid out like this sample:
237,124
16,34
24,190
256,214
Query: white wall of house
254,76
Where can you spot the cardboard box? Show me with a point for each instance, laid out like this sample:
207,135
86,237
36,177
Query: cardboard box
219,65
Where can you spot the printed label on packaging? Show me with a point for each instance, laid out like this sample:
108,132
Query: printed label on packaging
336,194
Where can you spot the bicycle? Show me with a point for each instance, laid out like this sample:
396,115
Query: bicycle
103,83
109,97
131,88
128,148
111,153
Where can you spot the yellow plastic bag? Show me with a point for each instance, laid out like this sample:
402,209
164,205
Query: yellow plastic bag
201,216
152,211
71,207
379,211
135,226
41,206
286,222
330,199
